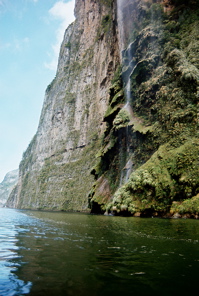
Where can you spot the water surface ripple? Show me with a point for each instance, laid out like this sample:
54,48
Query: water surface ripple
47,253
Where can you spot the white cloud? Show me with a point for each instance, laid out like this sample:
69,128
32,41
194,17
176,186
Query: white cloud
64,12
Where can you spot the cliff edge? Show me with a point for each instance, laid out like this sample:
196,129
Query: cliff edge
55,169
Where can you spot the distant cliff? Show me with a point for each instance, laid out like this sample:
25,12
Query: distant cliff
119,126
7,185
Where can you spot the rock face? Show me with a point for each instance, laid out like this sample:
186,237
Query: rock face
154,134
6,186
119,125
55,169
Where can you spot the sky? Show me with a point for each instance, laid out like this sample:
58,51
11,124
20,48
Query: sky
31,32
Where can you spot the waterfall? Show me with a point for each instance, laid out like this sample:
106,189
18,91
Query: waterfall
120,4
126,163
137,64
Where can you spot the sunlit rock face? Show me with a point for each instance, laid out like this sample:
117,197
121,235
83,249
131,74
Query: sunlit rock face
55,169
7,185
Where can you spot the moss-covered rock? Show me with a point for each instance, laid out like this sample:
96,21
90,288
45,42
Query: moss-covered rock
170,175
160,137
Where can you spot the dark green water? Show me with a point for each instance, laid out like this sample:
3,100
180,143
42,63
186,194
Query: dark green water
76,254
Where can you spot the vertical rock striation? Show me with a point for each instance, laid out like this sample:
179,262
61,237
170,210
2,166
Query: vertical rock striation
55,169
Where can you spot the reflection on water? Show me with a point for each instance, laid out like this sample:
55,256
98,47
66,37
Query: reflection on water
10,284
44,253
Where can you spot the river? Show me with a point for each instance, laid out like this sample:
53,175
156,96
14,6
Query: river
48,253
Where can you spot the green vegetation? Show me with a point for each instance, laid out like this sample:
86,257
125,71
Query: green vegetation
106,21
122,119
68,45
170,175
105,27
162,61
146,161
50,86
107,2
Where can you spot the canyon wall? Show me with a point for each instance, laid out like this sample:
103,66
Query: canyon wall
55,169
118,131
149,160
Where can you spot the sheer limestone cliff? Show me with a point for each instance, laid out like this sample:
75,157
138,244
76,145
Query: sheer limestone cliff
119,125
55,169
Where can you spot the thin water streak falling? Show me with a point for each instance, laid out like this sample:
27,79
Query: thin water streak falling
127,164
